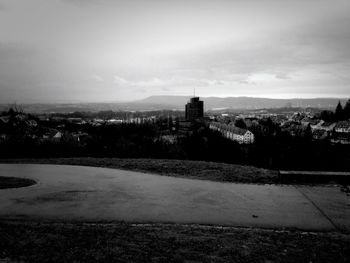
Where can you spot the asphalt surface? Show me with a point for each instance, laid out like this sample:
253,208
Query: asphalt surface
82,193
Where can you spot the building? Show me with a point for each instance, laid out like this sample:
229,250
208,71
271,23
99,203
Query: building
185,127
327,126
318,134
295,128
342,127
242,136
341,132
194,109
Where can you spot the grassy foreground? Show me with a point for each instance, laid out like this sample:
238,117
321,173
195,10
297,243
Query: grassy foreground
220,172
121,242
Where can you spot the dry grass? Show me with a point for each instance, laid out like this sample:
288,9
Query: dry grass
220,172
121,242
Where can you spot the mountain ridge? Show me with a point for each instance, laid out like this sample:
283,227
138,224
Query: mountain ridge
168,102
244,102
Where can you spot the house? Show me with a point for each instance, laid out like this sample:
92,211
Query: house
4,119
327,126
42,117
240,135
57,136
341,133
76,120
53,135
315,125
309,121
171,139
31,123
185,127
320,134
341,137
114,121
58,119
251,121
343,127
279,118
21,117
297,117
78,136
294,128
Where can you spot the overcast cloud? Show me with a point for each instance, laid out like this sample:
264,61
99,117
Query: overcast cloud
89,50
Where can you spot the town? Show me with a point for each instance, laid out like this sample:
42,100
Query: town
247,136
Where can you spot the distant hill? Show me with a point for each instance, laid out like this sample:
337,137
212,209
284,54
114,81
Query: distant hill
178,103
242,102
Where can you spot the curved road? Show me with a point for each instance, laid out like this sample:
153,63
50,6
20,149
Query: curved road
68,192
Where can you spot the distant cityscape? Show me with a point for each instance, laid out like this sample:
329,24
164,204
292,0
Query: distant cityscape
237,126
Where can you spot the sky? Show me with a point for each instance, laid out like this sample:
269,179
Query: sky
112,50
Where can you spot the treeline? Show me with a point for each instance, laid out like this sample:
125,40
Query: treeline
283,151
273,151
125,141
340,113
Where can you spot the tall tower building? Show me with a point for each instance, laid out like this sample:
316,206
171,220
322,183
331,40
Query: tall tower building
194,109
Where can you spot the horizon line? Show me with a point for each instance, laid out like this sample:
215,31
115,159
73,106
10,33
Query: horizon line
187,96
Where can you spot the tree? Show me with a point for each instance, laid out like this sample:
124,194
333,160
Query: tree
15,109
339,111
240,124
346,110
327,115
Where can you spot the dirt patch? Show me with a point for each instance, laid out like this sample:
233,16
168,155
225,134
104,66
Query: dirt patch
15,182
63,196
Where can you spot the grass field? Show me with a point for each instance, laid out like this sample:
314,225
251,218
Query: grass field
121,242
220,172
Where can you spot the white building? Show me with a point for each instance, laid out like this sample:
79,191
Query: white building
242,136
342,126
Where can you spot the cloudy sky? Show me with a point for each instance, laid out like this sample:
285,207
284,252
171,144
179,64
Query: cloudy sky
110,50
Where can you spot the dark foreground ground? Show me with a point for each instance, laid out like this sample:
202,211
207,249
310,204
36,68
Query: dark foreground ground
44,241
220,172
122,242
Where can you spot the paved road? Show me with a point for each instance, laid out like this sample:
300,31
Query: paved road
87,193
